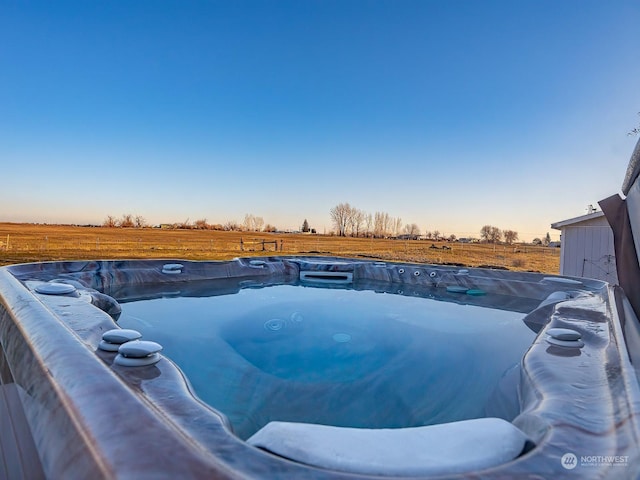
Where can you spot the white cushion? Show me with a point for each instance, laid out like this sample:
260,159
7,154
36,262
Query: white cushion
456,447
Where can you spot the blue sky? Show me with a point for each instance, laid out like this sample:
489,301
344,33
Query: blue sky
450,114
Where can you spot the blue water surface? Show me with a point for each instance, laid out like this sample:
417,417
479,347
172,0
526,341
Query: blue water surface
340,357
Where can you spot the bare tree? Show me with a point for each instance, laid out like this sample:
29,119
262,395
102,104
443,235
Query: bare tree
357,221
397,226
231,226
510,236
412,230
385,225
380,224
186,225
490,234
139,221
127,221
202,224
485,233
110,222
368,224
252,223
248,222
341,217
496,235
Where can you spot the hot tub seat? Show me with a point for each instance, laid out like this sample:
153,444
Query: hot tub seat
456,447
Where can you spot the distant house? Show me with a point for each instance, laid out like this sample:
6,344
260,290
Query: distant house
408,236
587,247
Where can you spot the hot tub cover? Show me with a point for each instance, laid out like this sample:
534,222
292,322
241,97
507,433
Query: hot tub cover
633,170
464,446
622,215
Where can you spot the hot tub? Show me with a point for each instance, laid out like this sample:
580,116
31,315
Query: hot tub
316,368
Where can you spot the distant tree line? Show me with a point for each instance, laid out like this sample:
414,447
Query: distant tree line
251,223
347,221
436,235
491,234
351,221
126,221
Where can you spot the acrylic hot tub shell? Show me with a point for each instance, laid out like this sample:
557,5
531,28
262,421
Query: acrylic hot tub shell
89,418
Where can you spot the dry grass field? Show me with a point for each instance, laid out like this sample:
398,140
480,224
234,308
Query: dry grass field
20,243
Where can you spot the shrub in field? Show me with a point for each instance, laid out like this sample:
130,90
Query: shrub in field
517,263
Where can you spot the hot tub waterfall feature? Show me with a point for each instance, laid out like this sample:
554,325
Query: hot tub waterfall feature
315,368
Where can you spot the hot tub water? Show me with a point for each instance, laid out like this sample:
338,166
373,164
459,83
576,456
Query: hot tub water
334,356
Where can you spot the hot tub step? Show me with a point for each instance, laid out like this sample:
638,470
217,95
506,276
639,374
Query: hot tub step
21,460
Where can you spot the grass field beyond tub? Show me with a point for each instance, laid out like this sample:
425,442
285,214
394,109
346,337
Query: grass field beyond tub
22,243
